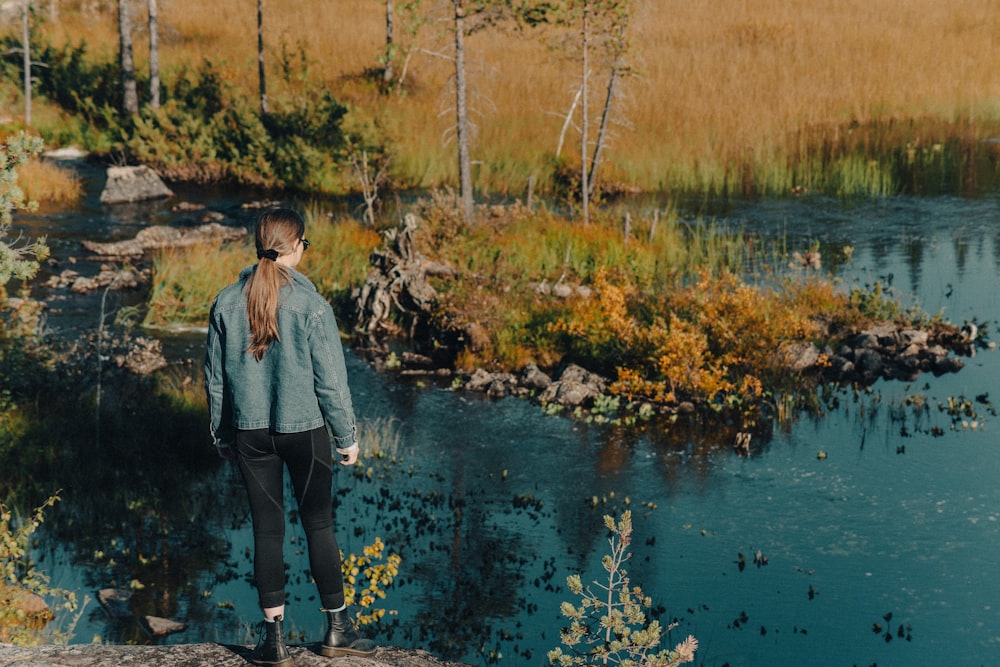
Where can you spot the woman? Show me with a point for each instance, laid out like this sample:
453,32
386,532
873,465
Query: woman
277,388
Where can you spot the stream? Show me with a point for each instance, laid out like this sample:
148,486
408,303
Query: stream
882,551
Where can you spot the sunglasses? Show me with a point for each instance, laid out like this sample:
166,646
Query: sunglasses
305,243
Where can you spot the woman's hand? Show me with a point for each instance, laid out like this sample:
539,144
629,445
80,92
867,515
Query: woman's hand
349,455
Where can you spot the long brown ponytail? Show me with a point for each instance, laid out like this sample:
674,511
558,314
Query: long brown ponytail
278,232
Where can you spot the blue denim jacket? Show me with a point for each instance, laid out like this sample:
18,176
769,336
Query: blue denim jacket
301,381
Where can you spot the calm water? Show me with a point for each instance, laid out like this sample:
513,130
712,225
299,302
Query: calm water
491,504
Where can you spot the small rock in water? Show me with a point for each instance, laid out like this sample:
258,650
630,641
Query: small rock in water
161,627
114,601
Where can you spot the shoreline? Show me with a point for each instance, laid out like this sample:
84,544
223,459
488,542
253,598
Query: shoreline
196,655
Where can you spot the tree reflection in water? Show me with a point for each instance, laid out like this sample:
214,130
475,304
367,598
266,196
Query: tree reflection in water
142,506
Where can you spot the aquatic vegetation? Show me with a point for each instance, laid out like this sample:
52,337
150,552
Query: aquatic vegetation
49,183
185,280
610,625
883,628
20,580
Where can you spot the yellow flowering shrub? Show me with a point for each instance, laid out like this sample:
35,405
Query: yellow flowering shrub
23,586
715,340
366,579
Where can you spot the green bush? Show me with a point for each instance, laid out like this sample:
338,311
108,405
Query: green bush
204,130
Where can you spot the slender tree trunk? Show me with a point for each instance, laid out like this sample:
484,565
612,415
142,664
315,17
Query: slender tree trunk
568,121
260,58
387,72
617,70
584,149
54,11
26,48
154,56
130,96
462,114
602,132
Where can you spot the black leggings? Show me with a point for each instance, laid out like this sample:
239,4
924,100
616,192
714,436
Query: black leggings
308,455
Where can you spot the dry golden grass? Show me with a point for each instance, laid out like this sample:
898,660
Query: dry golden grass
48,183
719,83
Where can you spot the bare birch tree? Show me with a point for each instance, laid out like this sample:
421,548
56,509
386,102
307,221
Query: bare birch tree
390,47
154,55
619,16
407,18
260,58
485,13
130,96
463,17
584,115
602,27
462,117
26,59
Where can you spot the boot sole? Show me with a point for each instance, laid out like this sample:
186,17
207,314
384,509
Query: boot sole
340,652
284,662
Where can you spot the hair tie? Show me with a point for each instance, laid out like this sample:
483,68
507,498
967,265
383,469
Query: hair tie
267,254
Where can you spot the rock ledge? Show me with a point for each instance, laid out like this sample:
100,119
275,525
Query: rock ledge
198,655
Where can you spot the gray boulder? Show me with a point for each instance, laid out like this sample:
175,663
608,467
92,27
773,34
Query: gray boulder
576,387
131,184
533,377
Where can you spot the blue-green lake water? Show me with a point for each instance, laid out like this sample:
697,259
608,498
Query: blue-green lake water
491,503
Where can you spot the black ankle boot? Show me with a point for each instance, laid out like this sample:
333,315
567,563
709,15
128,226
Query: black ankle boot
271,649
342,638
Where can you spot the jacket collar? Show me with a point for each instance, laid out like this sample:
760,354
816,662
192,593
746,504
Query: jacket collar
298,279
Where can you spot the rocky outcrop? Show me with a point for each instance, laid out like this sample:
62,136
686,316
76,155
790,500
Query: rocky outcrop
575,386
109,276
159,237
132,184
199,655
140,355
884,351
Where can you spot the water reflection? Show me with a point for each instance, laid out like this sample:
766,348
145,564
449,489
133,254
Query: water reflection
494,503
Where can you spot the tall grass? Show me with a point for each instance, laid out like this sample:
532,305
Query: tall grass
48,183
545,248
186,280
726,96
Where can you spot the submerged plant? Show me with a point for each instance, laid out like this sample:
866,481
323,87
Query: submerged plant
610,626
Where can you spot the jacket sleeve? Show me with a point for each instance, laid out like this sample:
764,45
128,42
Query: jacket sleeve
219,408
330,377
